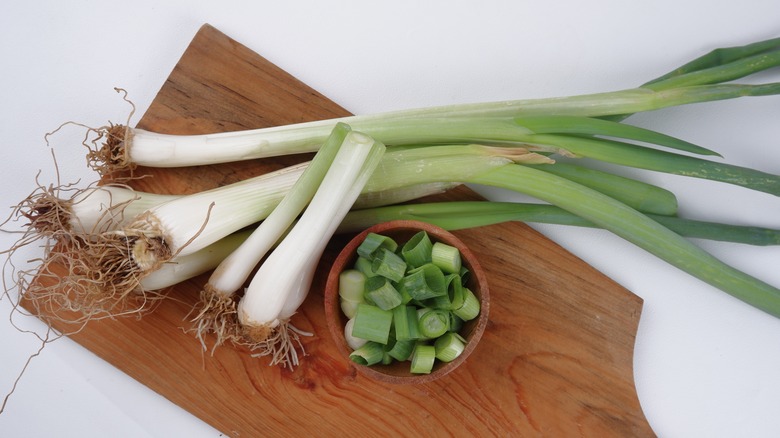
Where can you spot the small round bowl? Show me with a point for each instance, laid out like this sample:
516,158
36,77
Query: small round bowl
398,372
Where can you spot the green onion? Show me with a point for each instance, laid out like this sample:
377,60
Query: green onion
455,289
424,282
349,307
661,161
402,349
401,319
352,341
369,354
364,266
381,292
372,243
233,272
388,264
417,250
456,323
423,359
470,308
188,266
458,215
453,299
718,58
638,229
282,281
434,323
588,126
446,257
352,283
454,123
449,347
406,323
372,323
637,194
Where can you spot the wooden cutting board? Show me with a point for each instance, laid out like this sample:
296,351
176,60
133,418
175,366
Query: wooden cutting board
555,359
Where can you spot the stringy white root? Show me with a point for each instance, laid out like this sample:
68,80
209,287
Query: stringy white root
111,157
281,343
218,316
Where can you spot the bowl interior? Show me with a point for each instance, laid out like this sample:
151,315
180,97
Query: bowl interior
401,231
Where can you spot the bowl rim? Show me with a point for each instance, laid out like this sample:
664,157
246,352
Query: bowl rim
335,317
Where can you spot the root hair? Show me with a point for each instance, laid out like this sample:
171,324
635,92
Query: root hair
280,342
217,315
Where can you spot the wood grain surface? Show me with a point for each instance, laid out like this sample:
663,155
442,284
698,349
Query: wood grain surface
555,359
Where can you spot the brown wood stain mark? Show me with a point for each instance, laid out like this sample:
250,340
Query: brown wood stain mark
555,360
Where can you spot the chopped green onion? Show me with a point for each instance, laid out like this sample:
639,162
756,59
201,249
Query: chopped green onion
470,308
456,323
349,308
424,282
420,308
402,323
423,358
434,323
353,341
417,250
369,354
446,257
455,289
382,293
372,323
453,299
449,346
402,349
373,242
364,265
352,283
388,264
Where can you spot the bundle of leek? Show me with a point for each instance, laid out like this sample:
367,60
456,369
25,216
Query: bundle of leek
511,145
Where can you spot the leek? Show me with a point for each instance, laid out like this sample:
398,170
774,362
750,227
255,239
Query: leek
638,229
283,279
109,265
453,215
231,274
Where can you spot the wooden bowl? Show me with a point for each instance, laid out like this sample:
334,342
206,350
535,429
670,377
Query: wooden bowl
398,372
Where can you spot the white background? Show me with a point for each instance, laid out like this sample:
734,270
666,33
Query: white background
705,364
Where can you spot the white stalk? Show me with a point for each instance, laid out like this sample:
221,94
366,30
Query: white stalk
183,268
231,274
283,280
192,222
398,195
120,259
453,123
108,207
195,221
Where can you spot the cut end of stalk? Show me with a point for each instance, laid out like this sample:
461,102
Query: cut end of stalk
217,315
521,154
